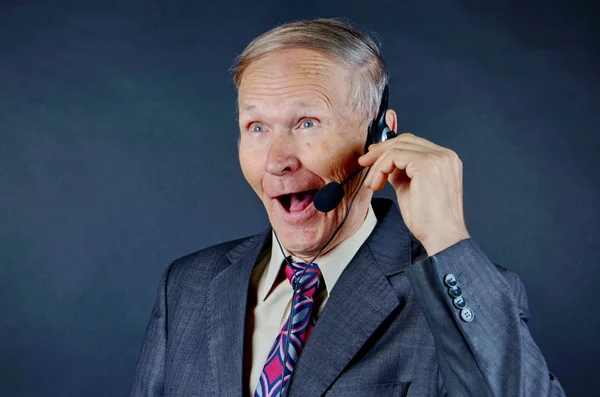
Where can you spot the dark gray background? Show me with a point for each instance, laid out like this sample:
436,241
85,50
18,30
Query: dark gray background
118,154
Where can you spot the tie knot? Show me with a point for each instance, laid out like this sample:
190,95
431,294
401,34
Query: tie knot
303,276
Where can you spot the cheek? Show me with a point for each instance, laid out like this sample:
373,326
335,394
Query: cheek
334,159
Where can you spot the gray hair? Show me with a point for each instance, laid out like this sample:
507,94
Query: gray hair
340,41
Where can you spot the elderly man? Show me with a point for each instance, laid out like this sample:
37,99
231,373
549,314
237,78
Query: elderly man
361,300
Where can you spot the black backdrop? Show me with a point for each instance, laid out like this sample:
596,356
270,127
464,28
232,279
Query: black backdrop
118,154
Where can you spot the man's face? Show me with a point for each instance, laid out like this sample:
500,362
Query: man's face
297,133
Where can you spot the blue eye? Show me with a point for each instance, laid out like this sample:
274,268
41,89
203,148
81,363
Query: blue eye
256,128
308,123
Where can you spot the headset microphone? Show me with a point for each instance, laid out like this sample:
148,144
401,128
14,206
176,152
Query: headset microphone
331,195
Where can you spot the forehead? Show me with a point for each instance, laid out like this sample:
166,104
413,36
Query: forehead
298,77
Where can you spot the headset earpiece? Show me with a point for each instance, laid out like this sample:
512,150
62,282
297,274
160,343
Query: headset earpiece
378,130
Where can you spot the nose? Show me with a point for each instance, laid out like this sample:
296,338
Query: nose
282,158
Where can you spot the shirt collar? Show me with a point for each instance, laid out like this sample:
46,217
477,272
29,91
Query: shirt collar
332,264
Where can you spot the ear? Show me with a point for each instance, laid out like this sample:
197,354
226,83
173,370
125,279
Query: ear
391,120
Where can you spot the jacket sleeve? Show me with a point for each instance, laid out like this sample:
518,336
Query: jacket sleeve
491,351
149,375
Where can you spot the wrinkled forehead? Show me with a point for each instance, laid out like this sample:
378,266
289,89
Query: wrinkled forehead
294,78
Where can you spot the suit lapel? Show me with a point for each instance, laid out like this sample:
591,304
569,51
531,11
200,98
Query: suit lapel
227,304
359,303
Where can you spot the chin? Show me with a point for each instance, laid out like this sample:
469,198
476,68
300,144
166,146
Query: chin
302,241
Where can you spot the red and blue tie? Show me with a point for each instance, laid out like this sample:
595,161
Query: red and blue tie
303,321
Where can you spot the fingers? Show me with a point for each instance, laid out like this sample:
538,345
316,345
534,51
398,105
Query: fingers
378,150
394,157
408,137
403,140
397,158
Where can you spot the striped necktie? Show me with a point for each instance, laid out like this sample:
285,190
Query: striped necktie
306,279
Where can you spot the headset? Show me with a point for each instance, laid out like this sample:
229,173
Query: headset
378,129
330,196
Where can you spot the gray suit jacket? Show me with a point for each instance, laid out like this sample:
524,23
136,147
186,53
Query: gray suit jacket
389,327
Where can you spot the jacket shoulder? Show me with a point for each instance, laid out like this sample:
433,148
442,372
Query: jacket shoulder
204,263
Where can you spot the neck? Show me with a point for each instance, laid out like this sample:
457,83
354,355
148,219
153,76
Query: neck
355,220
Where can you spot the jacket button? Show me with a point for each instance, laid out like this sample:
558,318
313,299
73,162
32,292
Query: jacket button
455,291
460,302
450,280
467,314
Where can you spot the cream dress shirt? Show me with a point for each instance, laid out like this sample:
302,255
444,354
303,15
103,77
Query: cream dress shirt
274,301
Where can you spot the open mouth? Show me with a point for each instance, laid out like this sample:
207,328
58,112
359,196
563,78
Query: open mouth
296,202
